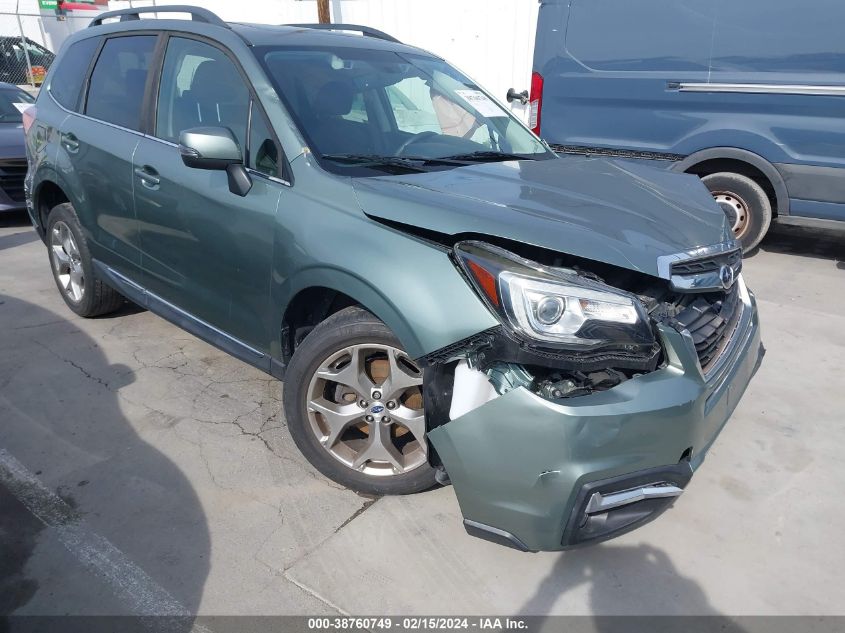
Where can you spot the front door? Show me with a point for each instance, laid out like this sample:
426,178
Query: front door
205,249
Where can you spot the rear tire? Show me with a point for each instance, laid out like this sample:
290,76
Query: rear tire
353,404
745,203
73,270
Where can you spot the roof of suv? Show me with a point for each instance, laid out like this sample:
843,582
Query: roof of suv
268,34
257,34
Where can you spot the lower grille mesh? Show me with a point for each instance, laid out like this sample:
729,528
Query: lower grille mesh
12,174
710,321
709,264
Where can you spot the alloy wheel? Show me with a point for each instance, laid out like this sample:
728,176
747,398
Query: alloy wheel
67,262
365,407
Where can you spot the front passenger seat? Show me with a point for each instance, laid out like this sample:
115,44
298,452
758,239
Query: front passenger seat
212,100
334,134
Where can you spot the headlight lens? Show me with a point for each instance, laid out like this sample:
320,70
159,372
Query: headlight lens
555,307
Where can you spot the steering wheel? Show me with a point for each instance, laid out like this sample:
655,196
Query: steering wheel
416,138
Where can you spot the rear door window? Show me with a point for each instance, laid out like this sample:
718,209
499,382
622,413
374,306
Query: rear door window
200,87
116,91
70,73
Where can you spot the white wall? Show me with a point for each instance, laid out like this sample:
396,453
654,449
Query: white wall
41,26
261,11
490,40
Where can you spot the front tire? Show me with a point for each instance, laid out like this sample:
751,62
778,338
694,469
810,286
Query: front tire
353,403
745,203
73,269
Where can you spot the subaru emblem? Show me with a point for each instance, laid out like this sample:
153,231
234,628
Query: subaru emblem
726,276
377,408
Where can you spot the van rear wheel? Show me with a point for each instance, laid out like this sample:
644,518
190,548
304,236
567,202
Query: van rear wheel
745,204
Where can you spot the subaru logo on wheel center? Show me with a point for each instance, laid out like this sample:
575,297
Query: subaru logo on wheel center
377,408
726,276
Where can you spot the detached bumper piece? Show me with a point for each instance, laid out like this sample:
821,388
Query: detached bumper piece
494,535
608,508
543,474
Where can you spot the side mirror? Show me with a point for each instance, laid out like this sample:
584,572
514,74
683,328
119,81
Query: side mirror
215,148
209,148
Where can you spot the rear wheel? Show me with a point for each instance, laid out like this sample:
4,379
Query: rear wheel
72,267
354,406
745,204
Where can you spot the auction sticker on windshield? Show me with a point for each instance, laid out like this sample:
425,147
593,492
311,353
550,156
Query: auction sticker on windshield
481,102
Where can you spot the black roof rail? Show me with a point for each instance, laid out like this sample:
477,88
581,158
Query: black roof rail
198,14
364,30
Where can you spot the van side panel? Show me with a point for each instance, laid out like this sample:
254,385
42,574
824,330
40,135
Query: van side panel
606,65
663,79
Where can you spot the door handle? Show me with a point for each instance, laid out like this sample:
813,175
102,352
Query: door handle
70,142
149,177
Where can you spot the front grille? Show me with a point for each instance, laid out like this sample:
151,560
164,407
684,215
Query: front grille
711,320
12,174
709,264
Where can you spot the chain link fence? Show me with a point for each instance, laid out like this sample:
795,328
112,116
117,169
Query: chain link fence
29,41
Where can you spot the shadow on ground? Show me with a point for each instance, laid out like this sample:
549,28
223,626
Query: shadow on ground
20,220
61,418
820,243
15,218
626,580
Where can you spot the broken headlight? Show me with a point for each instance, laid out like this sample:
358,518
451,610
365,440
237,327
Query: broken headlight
554,307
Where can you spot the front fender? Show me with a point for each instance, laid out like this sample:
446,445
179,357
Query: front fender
323,239
425,310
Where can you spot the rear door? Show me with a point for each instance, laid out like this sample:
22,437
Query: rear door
207,250
96,150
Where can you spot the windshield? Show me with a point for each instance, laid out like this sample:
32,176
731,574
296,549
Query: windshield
12,104
362,110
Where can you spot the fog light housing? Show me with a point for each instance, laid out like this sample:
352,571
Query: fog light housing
609,508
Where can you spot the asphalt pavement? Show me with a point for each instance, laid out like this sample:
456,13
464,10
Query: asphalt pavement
142,471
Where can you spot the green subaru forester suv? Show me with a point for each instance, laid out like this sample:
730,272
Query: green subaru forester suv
446,300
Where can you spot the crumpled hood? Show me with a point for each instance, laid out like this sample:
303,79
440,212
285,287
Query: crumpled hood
614,212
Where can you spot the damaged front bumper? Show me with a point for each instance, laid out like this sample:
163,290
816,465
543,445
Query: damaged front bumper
540,474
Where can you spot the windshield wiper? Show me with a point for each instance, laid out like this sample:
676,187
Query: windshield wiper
489,155
417,163
436,160
374,160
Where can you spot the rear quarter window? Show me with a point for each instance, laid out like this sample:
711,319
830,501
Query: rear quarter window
646,35
69,73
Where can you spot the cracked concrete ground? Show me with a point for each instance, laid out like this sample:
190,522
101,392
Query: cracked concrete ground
178,456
